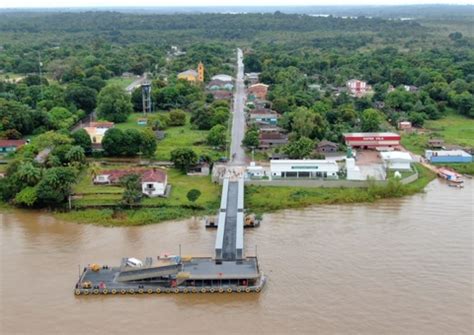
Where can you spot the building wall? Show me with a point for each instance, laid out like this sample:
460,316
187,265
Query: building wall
159,189
450,159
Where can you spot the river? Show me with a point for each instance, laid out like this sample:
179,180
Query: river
391,267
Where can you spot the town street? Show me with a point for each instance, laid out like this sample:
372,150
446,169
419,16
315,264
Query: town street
237,153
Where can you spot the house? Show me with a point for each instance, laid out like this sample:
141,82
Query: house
8,146
357,88
396,160
410,88
219,85
254,171
189,75
221,95
378,141
154,181
201,169
404,125
252,77
258,91
303,169
192,75
222,77
448,156
436,143
263,116
96,131
272,139
327,146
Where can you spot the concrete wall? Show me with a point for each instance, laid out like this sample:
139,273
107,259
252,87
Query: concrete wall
326,183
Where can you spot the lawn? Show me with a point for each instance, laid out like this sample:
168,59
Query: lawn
121,81
180,183
454,129
261,199
176,137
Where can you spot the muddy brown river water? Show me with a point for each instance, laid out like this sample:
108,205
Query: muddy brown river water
401,266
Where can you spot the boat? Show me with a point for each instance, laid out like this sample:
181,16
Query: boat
459,185
172,274
450,175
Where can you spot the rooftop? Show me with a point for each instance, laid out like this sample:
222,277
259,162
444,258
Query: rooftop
449,153
369,134
12,143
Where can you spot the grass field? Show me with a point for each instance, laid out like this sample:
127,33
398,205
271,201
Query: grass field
121,81
454,129
261,199
176,137
180,183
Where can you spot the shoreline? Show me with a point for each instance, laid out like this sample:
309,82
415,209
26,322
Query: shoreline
257,201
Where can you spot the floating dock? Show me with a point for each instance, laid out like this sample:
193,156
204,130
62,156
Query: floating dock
230,271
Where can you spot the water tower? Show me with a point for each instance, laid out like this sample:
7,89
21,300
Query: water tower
146,97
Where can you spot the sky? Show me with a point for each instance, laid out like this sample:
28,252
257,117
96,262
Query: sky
186,3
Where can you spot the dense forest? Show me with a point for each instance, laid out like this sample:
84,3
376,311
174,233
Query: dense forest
55,68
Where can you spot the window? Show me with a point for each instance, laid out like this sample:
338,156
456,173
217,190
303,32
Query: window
149,186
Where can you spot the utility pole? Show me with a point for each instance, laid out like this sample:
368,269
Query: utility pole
40,65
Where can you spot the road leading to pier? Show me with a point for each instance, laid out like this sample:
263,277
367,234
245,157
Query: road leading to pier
237,153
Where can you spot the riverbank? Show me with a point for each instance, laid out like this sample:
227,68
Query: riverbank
258,199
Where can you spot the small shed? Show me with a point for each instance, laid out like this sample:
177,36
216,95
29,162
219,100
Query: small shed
327,146
435,143
397,160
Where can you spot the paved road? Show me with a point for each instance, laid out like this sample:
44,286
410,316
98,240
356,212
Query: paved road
230,229
136,83
237,152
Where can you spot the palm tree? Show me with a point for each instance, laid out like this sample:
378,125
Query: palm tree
94,170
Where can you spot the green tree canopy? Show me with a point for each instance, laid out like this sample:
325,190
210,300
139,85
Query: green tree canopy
184,158
113,104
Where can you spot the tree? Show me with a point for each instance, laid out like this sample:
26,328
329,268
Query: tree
251,138
55,186
217,136
303,122
113,104
50,139
133,189
148,143
61,118
81,96
27,196
76,155
220,116
184,158
177,117
28,174
82,138
193,195
371,120
301,148
113,142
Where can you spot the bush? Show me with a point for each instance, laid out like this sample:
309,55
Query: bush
177,117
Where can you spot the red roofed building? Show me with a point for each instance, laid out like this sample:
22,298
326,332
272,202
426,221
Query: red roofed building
7,146
272,139
372,140
258,91
154,181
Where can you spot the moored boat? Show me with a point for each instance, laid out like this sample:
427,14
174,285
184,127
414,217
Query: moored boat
450,175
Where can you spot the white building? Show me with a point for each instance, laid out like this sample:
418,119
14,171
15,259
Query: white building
396,160
353,171
303,168
154,183
255,171
222,77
